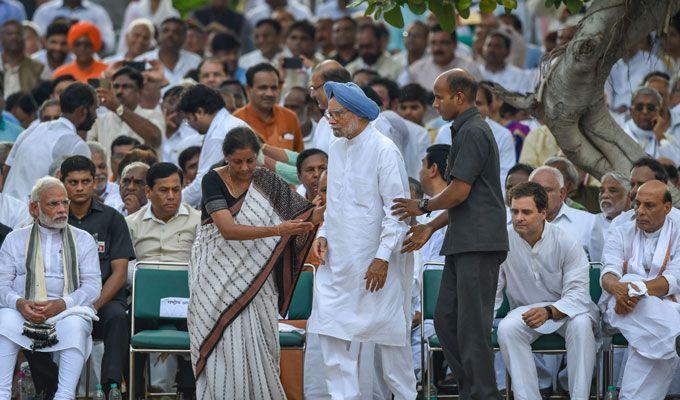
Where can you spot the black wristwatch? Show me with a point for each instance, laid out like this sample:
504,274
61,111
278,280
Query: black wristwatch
549,310
422,205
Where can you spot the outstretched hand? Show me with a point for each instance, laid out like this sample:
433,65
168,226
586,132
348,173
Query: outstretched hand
416,238
405,208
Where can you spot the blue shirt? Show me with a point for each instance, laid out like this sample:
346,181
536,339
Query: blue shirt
9,131
11,9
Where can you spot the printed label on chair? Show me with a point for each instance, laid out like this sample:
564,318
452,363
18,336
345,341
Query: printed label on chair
174,307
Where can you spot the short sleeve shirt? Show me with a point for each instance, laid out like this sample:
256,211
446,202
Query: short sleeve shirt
478,224
110,231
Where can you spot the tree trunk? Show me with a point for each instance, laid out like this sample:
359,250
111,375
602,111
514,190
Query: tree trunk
570,97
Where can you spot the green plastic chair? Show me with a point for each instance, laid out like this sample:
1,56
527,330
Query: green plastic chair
546,344
151,282
300,309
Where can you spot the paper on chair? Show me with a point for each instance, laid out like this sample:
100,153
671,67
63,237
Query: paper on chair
174,307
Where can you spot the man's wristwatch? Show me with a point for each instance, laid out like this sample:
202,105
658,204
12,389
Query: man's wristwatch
120,110
422,205
549,310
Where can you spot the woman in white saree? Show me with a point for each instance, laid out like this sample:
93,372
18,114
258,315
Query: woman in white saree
244,265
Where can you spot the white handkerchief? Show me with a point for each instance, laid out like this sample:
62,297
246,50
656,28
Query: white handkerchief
174,307
642,289
290,328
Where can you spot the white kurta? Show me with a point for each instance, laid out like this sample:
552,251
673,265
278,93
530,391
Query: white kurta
654,324
186,62
12,211
597,237
625,77
669,147
36,149
365,175
504,141
172,146
553,271
512,78
576,223
411,139
211,153
13,281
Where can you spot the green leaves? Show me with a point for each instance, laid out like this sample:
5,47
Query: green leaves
417,7
574,6
394,17
487,6
444,12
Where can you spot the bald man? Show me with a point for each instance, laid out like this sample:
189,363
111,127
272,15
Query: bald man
325,71
476,241
641,279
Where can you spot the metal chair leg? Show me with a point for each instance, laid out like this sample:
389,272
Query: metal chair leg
429,372
508,384
131,384
87,377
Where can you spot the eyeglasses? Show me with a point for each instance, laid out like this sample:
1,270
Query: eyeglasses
641,106
313,88
56,203
336,114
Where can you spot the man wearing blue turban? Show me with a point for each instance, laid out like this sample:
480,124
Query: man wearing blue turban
362,295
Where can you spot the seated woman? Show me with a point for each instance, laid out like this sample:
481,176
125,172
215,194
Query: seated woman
244,265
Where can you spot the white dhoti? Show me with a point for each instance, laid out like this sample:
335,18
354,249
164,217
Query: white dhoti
515,339
650,329
75,343
341,365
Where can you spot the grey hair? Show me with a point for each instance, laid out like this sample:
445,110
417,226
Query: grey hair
43,106
556,173
572,172
43,184
133,165
647,91
619,177
95,147
56,166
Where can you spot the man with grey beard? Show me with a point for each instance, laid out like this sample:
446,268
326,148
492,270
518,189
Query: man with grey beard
614,200
49,279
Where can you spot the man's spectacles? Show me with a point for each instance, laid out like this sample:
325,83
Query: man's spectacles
641,106
313,88
56,203
336,114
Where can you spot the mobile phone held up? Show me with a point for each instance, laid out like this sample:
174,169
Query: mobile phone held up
292,63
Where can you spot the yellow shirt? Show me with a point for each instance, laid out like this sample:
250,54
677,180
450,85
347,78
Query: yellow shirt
539,145
155,240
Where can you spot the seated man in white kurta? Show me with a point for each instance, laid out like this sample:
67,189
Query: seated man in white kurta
546,280
641,279
49,278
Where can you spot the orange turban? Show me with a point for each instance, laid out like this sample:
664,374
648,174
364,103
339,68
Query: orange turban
85,28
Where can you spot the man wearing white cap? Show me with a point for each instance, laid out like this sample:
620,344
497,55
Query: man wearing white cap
362,292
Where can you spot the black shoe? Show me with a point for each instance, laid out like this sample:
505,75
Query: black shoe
677,345
546,393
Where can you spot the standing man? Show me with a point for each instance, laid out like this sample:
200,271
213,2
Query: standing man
363,293
126,116
30,159
476,242
276,125
204,111
20,73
